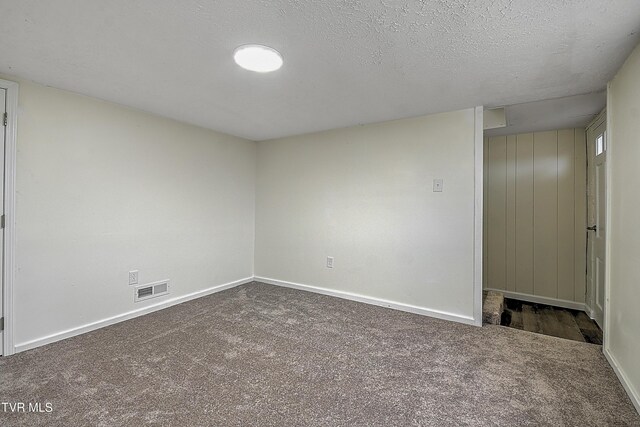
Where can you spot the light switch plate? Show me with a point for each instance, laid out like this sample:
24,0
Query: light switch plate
438,185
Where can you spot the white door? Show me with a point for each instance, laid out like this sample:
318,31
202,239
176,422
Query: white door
3,132
596,217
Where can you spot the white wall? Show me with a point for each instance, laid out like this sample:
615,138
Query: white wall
364,196
101,190
623,315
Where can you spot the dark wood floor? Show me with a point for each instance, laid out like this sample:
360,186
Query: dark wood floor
545,319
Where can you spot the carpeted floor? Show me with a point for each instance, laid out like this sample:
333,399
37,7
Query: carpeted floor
269,356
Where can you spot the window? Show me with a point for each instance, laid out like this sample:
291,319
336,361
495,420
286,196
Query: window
600,144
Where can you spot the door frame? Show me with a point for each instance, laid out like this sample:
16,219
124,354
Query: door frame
8,261
607,241
478,210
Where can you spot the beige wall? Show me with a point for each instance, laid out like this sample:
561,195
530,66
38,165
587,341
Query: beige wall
622,318
364,196
534,221
103,189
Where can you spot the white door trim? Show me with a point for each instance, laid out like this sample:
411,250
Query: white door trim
477,215
607,241
8,271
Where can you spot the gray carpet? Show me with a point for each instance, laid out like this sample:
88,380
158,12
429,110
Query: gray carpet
269,356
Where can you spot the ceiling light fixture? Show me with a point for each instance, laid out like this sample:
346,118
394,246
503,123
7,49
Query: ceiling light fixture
258,58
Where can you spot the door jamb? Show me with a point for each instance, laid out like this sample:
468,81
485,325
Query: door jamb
8,260
607,241
477,214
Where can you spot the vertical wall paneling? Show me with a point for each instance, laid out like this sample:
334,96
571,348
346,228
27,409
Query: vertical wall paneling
524,213
545,214
566,215
496,212
580,224
535,214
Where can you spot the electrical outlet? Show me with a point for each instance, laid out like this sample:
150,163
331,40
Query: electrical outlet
133,277
329,262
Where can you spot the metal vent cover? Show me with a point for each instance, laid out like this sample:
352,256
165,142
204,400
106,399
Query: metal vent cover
145,292
151,290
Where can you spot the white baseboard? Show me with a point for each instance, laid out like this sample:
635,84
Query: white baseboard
370,300
125,316
632,392
542,300
590,312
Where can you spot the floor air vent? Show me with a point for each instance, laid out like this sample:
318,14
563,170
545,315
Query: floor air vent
151,290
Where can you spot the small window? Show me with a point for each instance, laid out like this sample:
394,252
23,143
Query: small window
600,145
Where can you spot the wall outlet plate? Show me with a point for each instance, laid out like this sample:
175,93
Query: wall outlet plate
133,277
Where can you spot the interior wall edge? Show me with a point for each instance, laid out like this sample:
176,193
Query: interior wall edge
22,80
621,315
352,195
633,394
103,190
424,311
59,336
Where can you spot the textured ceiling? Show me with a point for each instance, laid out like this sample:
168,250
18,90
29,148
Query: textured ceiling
347,62
560,113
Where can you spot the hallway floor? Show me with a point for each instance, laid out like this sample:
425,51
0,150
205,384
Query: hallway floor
548,320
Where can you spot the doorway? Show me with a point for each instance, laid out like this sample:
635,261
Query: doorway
3,135
8,136
596,216
535,229
535,217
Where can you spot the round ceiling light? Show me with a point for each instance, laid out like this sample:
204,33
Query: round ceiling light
258,58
